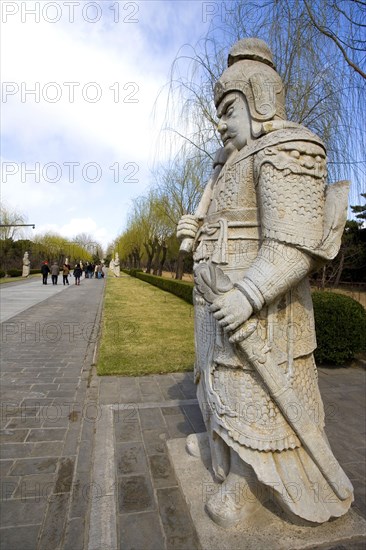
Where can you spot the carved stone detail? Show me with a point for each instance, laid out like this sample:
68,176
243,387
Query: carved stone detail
265,222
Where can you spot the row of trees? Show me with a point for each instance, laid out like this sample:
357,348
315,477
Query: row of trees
149,239
50,246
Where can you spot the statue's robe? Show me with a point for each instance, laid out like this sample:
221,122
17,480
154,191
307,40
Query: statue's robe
265,229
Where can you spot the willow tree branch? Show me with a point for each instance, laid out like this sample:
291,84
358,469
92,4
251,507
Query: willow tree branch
335,40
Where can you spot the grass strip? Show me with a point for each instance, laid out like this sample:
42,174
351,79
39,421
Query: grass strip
182,289
144,330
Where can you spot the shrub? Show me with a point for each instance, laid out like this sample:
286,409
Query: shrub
35,271
182,289
132,272
340,324
2,273
14,272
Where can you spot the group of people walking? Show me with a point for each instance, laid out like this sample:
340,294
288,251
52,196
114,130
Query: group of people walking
89,270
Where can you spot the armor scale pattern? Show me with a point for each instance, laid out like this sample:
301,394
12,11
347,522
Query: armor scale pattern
283,176
254,419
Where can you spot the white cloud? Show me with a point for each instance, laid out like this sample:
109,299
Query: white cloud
76,226
105,132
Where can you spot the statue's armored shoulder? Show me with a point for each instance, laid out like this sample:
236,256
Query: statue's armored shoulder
290,171
296,150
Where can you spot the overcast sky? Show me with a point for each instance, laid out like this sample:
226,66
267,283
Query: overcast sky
80,80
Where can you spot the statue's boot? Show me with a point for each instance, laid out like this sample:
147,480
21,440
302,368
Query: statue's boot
239,497
212,451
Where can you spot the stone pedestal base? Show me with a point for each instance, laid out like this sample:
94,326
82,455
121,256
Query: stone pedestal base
268,529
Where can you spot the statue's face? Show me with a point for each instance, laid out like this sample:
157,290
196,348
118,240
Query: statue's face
234,121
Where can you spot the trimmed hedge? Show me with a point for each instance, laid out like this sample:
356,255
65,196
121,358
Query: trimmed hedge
133,272
35,271
182,289
14,272
340,324
2,273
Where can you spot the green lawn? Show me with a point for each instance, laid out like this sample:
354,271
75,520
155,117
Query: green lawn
144,330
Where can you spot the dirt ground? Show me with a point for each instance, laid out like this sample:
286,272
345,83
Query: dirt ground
171,275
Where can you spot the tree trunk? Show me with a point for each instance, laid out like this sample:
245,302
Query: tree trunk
180,266
162,261
340,269
156,259
323,277
150,254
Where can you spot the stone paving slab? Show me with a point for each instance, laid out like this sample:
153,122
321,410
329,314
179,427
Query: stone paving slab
146,483
49,409
141,484
17,298
144,429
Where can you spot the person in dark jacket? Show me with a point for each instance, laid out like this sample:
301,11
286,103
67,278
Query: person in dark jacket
45,270
77,274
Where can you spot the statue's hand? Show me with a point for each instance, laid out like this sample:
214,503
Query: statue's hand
231,310
187,227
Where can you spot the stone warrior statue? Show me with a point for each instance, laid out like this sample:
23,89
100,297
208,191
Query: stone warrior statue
111,265
26,265
116,266
265,221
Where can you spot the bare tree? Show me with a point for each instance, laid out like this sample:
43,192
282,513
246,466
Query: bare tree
324,88
345,28
87,241
10,218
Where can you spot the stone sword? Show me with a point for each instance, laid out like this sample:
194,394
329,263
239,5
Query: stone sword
187,243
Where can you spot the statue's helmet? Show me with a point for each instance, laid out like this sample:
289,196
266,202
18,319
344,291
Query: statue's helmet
251,71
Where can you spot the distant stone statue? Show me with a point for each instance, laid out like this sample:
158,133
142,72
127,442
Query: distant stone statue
26,265
265,221
111,266
116,266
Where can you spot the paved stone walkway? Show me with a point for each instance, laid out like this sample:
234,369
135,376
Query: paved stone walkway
28,293
84,459
150,509
47,420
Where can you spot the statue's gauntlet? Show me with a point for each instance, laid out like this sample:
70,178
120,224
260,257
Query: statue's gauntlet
277,268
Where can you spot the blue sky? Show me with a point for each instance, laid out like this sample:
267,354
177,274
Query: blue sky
75,152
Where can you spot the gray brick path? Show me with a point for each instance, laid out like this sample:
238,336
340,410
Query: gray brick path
48,416
151,510
28,293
